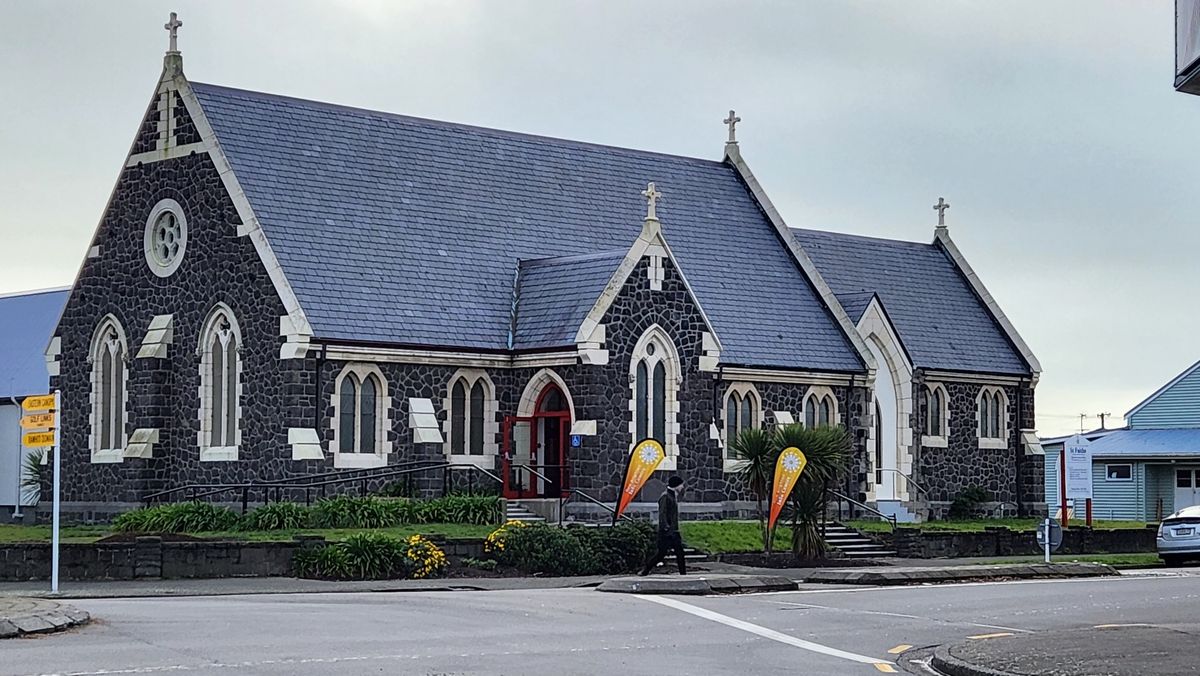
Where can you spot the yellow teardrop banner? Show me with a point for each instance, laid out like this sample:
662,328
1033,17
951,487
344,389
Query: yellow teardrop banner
646,457
787,470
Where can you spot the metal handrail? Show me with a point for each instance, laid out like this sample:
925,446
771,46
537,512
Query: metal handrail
890,519
907,478
575,491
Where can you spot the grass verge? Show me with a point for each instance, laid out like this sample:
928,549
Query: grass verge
1114,560
85,534
721,537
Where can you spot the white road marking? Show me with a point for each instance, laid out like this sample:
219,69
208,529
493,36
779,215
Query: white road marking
902,615
763,631
1124,577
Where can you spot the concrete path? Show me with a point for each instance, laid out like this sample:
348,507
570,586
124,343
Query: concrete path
21,616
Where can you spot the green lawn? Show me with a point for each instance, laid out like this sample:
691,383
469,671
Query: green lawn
719,537
1115,560
976,525
15,533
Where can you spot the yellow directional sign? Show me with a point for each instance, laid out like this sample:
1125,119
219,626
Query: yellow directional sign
37,439
43,402
38,421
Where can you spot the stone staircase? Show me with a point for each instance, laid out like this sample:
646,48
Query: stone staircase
853,544
515,511
897,509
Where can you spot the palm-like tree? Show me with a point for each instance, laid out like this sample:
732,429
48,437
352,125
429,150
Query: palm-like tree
756,451
827,450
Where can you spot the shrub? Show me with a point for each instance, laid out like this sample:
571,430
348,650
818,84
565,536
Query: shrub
184,517
481,564
478,510
345,511
371,556
277,516
967,502
494,544
547,550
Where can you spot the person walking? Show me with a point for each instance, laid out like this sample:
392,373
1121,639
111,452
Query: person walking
668,527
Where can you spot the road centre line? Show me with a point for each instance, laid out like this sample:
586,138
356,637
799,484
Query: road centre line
899,649
983,637
902,615
765,632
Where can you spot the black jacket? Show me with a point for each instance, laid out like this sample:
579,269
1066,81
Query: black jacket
668,512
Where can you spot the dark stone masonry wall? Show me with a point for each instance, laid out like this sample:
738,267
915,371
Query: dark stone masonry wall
185,129
218,266
147,135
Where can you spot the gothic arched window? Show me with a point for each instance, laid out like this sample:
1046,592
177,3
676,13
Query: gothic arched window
109,391
220,386
471,404
361,414
654,375
934,403
820,407
743,408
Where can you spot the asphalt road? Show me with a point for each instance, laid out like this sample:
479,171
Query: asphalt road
817,631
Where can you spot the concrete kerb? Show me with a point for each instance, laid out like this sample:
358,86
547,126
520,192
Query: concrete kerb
950,665
21,616
904,576
697,585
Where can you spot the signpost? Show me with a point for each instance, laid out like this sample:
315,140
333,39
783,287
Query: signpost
1049,536
42,417
1077,468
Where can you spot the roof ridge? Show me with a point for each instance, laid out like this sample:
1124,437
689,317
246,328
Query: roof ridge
35,292
851,235
450,125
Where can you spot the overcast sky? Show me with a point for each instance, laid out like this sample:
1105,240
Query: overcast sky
1051,128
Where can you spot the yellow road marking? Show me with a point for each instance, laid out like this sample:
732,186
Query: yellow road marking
899,649
1114,626
885,668
980,637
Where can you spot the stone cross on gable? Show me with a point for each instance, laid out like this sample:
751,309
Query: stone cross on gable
652,196
732,121
941,208
172,27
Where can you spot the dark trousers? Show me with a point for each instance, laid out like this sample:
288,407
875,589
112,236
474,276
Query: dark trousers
667,542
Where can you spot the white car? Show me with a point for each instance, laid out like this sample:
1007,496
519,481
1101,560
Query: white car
1179,536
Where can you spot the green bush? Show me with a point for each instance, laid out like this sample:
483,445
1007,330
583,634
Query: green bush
967,502
277,516
345,511
578,550
371,556
479,510
184,517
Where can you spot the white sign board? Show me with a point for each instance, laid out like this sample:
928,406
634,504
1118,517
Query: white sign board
1079,468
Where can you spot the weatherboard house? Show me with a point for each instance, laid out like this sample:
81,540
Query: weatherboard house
279,288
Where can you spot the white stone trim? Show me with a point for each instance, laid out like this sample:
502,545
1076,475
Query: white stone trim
167,269
491,409
250,226
423,422
357,457
875,326
993,443
141,443
784,417
480,360
305,443
210,452
650,242
711,352
591,351
937,440
792,377
942,236
584,428
160,335
166,154
733,155
53,351
295,341
975,378
656,335
97,453
527,404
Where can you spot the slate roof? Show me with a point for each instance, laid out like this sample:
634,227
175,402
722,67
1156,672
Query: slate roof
940,320
27,322
408,231
855,304
1149,443
555,294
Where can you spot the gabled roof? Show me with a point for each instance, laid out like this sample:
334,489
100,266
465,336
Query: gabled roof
555,294
1162,390
941,321
855,304
402,230
26,323
1148,443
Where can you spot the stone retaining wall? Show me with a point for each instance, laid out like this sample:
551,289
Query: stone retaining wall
152,558
1000,541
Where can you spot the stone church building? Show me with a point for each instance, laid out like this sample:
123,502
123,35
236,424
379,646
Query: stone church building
281,287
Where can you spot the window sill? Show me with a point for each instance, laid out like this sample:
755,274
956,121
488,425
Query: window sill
219,454
108,455
935,442
668,464
993,444
732,466
486,461
358,460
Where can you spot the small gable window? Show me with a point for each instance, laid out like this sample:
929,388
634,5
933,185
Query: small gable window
220,386
361,411
992,405
165,238
472,410
820,407
109,391
743,411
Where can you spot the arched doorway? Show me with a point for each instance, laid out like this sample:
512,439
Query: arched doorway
535,447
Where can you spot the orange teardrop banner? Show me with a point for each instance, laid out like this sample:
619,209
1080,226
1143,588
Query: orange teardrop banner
646,457
787,469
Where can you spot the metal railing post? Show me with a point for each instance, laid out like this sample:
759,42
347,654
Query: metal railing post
471,484
245,499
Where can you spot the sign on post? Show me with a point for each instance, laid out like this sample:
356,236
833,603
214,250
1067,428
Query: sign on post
37,421
37,439
43,402
1078,452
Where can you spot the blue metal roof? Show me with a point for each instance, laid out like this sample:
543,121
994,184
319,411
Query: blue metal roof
555,294
1149,443
404,230
937,315
27,323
